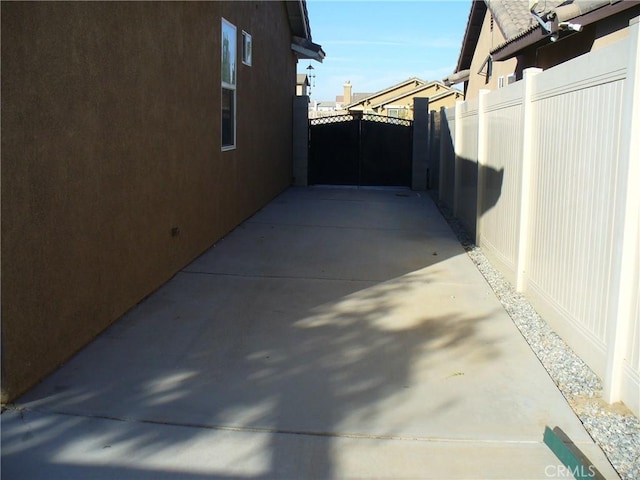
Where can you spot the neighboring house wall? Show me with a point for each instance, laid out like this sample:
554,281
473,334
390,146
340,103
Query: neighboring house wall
384,95
557,209
405,100
398,101
302,85
543,54
113,177
446,98
490,37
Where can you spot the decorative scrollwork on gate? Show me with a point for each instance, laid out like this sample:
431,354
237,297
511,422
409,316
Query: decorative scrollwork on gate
384,119
331,119
357,115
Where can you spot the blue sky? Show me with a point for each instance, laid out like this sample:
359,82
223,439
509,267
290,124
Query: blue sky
376,44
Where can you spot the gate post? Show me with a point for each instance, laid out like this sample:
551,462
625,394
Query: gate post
420,149
300,140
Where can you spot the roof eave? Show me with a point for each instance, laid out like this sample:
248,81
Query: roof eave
307,50
458,77
301,42
471,34
298,18
536,34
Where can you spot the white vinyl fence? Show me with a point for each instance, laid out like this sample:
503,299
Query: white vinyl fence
546,173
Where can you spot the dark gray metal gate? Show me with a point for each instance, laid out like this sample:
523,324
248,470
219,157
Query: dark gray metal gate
360,150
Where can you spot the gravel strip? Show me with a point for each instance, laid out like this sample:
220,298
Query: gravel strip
613,427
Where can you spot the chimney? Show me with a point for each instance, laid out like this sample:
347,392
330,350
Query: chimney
347,93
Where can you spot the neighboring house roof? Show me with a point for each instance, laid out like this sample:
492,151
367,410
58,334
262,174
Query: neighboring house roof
471,35
522,29
553,17
301,79
302,43
299,18
331,105
358,97
410,93
354,97
357,101
513,16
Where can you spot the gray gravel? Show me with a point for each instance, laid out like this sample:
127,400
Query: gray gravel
613,427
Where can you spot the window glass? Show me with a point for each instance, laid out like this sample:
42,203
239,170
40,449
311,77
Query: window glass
246,48
228,97
228,117
228,53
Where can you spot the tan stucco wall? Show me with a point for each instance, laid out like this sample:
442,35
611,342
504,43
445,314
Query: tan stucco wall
614,28
448,101
486,42
111,142
610,38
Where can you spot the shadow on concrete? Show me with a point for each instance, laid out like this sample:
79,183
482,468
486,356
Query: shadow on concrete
254,375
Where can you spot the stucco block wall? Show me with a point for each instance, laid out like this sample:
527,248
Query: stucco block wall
112,172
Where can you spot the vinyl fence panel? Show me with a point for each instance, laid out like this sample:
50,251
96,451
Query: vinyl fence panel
548,171
466,170
500,178
573,199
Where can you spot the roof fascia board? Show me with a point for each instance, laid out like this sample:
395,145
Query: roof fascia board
478,11
308,50
458,77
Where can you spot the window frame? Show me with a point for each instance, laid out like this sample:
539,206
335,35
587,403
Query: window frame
247,53
228,81
393,112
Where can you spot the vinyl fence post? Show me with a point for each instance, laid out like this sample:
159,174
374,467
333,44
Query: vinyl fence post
482,159
623,295
434,147
457,147
525,178
444,128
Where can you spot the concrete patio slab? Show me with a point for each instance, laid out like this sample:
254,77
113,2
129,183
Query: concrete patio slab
338,333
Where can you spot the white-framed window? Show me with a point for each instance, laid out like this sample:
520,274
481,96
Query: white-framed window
396,111
247,48
228,95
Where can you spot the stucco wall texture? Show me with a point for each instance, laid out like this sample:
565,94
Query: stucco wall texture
113,176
